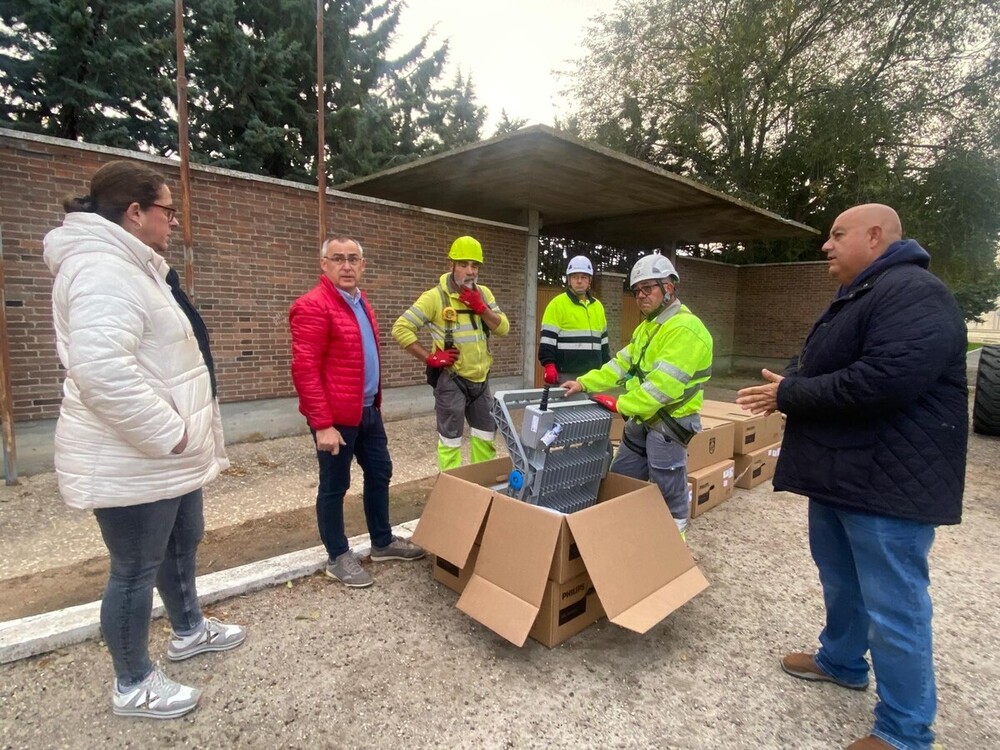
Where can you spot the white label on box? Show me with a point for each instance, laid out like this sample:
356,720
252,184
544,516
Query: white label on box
774,452
728,473
534,423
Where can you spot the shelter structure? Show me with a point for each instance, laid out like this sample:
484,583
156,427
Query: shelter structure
561,186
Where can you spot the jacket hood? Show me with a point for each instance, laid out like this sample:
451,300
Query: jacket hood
898,253
90,234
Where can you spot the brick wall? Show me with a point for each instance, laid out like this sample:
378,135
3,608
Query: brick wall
608,289
776,305
710,290
254,253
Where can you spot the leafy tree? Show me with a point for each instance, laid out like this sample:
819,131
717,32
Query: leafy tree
809,108
88,70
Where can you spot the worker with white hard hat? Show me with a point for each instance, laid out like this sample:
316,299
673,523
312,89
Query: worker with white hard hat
663,371
574,336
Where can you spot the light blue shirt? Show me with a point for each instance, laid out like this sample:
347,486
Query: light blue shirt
368,345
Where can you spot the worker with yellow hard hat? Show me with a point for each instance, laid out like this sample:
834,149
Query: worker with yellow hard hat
461,315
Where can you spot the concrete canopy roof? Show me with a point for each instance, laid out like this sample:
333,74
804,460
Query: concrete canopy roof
581,191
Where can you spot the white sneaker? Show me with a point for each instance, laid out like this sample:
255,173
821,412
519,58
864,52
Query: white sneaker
156,697
212,636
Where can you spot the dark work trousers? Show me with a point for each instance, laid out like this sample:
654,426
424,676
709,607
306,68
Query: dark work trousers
368,443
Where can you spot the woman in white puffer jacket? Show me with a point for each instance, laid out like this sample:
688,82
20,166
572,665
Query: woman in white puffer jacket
139,431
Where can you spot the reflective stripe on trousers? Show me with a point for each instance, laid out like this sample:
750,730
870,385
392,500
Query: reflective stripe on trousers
456,401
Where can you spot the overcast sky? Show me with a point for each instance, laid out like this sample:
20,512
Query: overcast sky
512,48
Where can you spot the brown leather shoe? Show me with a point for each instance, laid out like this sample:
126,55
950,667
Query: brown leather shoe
871,742
804,667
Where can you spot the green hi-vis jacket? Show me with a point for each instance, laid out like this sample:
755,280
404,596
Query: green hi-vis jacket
471,337
574,334
667,363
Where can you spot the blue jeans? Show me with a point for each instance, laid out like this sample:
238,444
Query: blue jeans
151,542
367,442
873,570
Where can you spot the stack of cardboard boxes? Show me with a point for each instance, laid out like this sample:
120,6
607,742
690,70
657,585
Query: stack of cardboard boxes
733,449
526,571
710,465
756,441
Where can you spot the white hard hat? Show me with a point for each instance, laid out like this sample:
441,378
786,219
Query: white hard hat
579,264
652,267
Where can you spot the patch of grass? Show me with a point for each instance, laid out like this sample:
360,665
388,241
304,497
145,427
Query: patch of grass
973,345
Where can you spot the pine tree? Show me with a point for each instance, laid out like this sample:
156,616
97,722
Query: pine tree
99,71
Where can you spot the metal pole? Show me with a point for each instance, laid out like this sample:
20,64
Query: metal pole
184,148
320,124
6,406
529,341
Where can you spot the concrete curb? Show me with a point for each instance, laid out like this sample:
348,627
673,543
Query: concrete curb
30,636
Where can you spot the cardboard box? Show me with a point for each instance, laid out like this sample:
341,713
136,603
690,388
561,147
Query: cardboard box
627,544
711,486
566,561
713,444
774,428
757,467
749,431
454,576
567,608
459,501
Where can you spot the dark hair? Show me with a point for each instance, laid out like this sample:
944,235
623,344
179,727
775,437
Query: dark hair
116,186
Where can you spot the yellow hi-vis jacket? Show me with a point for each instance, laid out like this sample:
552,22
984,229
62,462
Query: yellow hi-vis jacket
667,363
471,337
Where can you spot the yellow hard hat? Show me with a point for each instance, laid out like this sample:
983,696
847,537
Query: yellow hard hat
466,248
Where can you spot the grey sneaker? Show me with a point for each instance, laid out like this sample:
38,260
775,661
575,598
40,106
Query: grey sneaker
156,697
348,571
213,636
397,549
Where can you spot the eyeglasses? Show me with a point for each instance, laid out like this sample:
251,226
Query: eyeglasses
644,291
171,211
340,260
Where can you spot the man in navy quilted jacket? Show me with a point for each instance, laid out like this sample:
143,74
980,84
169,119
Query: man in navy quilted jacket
877,407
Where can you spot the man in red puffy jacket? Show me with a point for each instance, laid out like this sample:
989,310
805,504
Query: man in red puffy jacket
337,374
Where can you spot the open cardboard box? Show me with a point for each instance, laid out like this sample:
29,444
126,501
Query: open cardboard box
627,544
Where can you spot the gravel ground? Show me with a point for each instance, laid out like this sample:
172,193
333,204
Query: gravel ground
398,664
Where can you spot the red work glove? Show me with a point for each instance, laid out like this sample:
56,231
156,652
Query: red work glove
472,299
551,374
608,402
442,358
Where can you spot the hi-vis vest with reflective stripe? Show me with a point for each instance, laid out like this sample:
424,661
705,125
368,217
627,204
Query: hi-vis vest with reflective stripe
468,331
673,354
574,334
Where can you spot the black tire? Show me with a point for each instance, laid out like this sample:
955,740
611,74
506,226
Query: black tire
986,411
